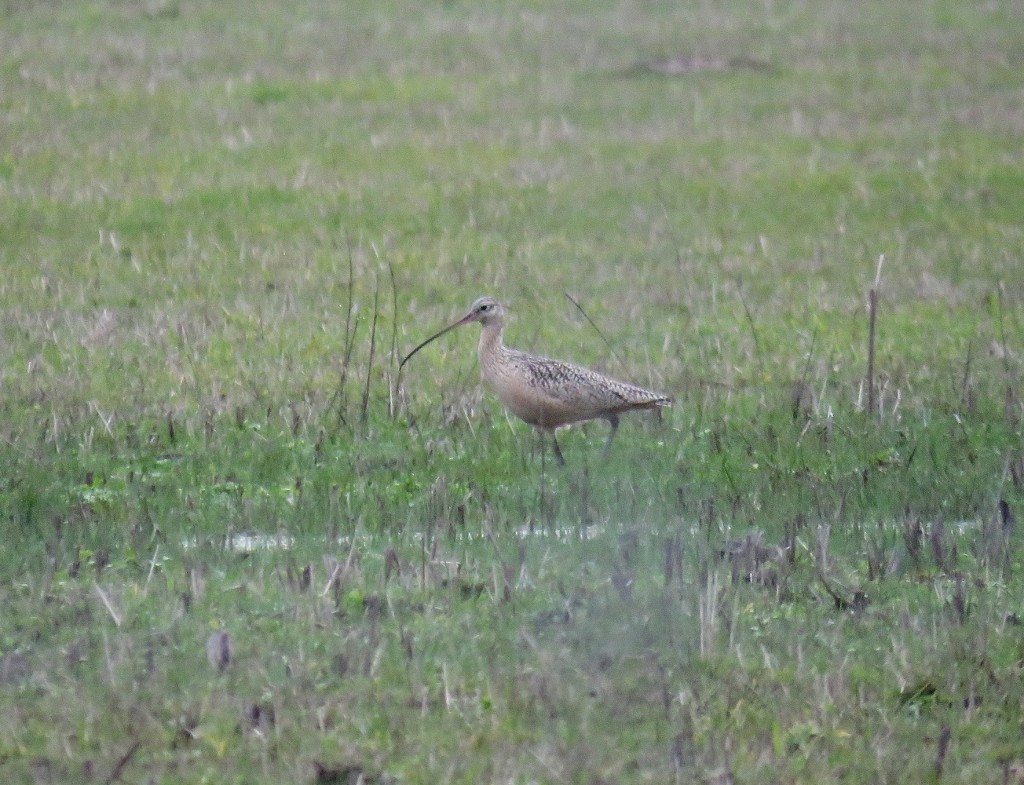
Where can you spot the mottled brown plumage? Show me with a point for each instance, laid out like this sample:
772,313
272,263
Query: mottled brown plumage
545,393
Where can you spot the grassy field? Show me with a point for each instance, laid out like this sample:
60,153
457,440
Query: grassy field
236,547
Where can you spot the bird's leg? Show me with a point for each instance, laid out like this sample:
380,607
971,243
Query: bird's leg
613,420
558,452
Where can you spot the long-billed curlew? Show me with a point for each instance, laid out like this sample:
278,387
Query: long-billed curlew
547,393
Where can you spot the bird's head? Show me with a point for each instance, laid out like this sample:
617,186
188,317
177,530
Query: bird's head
486,310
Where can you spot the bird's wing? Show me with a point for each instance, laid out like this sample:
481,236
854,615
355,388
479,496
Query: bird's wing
591,392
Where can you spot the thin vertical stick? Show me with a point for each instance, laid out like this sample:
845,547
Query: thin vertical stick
393,393
803,385
967,374
753,328
758,355
940,754
365,406
349,343
1009,400
872,318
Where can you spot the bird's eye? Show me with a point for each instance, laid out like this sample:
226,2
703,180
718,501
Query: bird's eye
485,307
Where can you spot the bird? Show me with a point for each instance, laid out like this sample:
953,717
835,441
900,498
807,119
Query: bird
547,394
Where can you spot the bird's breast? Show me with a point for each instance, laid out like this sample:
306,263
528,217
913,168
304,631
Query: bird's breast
528,401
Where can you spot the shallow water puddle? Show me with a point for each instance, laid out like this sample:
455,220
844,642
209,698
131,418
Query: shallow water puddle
246,542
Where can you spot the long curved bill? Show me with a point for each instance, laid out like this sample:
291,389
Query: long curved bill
464,320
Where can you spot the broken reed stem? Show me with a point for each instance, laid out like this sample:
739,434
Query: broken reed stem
966,381
1010,397
758,356
872,321
940,753
753,327
802,386
338,399
393,392
364,408
118,770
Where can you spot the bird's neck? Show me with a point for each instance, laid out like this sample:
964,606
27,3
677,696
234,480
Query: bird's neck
491,344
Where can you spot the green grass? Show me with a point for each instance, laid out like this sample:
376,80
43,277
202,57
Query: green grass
221,225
